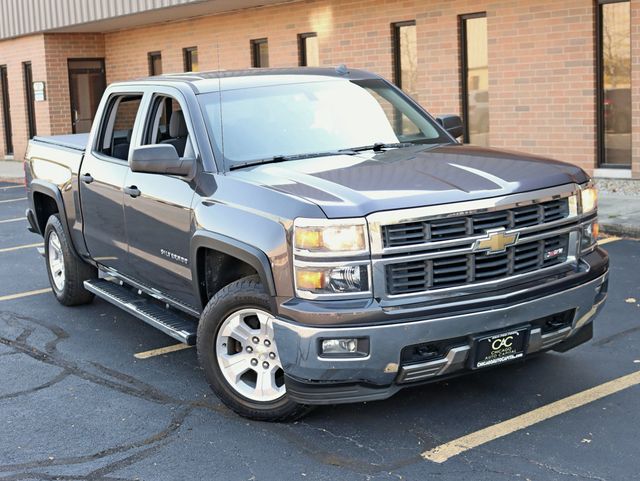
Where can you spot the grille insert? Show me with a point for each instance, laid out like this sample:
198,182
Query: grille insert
411,233
461,269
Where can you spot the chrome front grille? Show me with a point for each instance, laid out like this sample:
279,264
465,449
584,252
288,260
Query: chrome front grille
441,250
463,269
459,227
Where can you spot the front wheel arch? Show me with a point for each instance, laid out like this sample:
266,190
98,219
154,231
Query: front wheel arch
245,254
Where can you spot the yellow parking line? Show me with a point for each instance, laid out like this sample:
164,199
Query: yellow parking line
606,240
12,220
446,451
160,351
12,200
24,294
9,249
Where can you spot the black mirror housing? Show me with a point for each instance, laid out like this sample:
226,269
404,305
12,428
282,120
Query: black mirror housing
452,124
159,159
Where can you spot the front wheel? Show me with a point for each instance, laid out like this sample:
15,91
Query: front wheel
239,355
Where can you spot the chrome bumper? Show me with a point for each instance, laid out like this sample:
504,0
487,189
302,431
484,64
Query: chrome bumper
299,345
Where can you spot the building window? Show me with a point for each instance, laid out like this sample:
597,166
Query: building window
614,83
190,59
405,56
308,48
6,110
155,63
475,78
260,53
29,99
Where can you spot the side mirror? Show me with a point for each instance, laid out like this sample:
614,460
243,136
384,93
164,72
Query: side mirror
452,124
159,159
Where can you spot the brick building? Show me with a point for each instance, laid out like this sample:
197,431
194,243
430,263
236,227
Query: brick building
560,79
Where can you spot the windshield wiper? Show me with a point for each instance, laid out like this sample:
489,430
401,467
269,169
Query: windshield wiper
379,147
283,158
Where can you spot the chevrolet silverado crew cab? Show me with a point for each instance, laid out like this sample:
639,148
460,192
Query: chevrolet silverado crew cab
318,235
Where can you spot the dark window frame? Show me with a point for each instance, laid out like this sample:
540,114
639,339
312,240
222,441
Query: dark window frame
464,70
397,55
187,57
6,110
255,51
150,58
302,47
600,114
30,101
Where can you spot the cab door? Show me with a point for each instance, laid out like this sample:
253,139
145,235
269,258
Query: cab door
158,207
102,177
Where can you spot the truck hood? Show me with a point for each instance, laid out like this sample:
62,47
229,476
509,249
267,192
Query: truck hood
357,185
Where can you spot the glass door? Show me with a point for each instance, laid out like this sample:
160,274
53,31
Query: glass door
87,82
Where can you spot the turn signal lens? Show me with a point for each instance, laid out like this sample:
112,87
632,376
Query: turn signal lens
310,280
589,200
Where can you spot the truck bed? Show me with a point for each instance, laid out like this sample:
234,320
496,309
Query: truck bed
72,141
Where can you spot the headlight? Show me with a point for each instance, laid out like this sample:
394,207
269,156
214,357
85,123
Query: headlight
330,277
329,237
589,200
590,234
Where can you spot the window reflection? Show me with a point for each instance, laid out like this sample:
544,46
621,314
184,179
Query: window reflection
616,83
477,79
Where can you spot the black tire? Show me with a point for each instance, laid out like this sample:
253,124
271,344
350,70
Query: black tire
77,271
245,293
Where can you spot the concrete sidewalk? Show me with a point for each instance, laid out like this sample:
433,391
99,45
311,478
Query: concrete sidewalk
11,170
618,204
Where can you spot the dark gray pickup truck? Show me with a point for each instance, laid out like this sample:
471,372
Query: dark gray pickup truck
317,234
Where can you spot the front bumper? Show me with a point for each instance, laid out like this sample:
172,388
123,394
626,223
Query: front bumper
313,379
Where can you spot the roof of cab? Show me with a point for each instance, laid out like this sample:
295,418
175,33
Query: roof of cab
213,81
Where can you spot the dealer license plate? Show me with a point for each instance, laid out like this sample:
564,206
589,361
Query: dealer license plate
499,348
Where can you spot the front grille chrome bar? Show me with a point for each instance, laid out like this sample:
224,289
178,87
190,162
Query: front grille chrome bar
384,258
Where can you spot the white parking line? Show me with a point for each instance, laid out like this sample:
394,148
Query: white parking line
446,451
20,295
10,249
5,221
12,187
12,200
160,351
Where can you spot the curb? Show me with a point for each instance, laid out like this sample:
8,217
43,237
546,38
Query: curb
621,230
13,180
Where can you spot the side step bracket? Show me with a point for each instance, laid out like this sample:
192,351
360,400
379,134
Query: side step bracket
167,321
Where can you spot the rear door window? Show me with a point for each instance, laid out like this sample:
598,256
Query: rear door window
117,126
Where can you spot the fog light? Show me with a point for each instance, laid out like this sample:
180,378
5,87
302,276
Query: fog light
347,347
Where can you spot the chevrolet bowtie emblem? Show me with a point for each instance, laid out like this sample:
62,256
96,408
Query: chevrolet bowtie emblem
496,241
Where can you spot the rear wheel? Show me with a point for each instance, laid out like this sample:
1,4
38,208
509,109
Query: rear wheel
67,272
239,355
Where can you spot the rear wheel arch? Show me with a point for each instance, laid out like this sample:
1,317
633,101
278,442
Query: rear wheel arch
47,201
218,260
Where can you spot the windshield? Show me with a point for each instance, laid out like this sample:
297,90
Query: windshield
263,123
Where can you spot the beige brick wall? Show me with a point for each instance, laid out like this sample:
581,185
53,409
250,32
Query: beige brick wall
12,54
541,60
59,48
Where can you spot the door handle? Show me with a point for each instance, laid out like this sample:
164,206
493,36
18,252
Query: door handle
86,178
132,190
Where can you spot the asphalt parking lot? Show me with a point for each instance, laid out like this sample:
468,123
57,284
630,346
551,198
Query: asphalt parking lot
75,404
